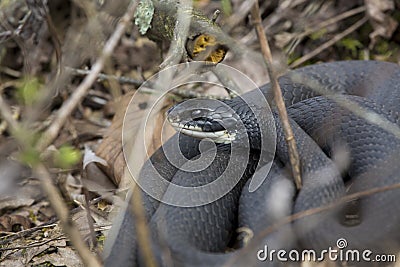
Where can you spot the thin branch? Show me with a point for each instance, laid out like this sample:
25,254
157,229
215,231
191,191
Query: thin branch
326,23
332,20
106,77
240,15
329,43
61,210
14,236
34,244
61,116
142,229
289,137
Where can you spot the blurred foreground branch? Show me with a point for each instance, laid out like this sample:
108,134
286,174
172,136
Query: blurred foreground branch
293,154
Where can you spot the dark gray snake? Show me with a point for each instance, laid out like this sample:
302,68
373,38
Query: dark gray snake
363,147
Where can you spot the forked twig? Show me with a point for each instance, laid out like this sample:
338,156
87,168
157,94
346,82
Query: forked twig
289,137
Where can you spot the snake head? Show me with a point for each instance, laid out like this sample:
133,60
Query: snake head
205,118
222,121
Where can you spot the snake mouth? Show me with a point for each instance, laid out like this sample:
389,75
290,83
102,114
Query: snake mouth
203,118
222,136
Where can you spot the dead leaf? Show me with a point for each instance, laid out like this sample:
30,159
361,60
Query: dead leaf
81,221
93,178
54,252
14,203
110,148
383,24
63,256
14,223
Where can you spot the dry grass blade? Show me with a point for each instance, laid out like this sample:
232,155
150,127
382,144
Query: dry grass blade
293,154
325,24
329,43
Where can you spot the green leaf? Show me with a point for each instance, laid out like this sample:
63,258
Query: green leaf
28,90
67,157
351,44
30,156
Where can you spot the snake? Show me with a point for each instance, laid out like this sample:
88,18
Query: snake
345,121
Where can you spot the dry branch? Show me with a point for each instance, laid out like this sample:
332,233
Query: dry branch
62,212
164,22
53,194
142,229
289,137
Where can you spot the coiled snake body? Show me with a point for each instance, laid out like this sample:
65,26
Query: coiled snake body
345,121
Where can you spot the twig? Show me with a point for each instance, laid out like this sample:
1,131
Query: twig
14,236
215,15
328,22
61,210
34,244
329,43
231,86
289,137
142,229
106,77
51,133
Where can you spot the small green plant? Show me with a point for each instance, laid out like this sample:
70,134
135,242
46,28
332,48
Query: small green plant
352,45
318,34
30,156
66,157
28,90
384,50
